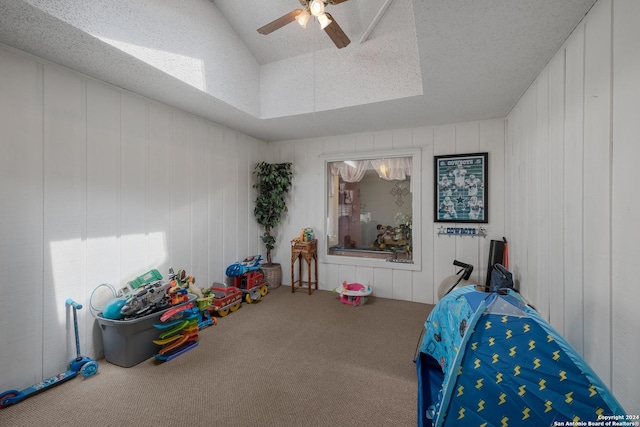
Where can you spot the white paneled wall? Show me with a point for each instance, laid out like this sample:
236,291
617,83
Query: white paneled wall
572,141
624,205
306,208
99,185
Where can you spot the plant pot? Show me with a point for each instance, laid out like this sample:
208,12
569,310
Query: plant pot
272,274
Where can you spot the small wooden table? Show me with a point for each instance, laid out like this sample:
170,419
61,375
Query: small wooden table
307,251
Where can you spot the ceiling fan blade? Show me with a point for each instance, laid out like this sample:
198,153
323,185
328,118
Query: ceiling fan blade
336,34
280,22
335,1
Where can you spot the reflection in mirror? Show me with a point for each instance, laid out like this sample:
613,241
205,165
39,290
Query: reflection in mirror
370,208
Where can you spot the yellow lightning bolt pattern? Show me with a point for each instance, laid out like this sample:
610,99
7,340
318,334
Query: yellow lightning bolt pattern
479,383
527,328
569,399
508,333
487,325
474,346
505,421
480,405
459,370
516,370
521,391
536,363
599,412
512,351
476,364
563,375
532,345
495,358
549,338
525,412
461,413
592,390
492,341
556,355
547,406
542,384
460,391
576,419
502,398
498,378
483,425
504,319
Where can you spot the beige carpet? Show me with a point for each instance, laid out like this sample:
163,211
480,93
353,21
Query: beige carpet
288,360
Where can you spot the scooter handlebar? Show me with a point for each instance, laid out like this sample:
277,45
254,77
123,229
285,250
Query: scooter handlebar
468,268
71,303
460,264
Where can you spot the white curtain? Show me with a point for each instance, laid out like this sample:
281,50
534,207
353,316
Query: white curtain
351,170
397,168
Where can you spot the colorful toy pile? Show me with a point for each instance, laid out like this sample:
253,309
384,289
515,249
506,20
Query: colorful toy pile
149,294
161,318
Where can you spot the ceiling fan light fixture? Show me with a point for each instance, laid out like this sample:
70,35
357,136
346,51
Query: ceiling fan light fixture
303,18
317,7
324,21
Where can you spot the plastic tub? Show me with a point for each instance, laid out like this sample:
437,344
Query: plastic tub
129,342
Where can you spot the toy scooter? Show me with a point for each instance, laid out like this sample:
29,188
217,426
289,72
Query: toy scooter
81,364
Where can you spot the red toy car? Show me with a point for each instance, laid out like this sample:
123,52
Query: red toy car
252,284
224,299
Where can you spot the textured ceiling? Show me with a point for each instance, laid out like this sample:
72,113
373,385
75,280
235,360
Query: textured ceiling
410,62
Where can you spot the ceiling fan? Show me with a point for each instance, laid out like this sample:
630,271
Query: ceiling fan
312,8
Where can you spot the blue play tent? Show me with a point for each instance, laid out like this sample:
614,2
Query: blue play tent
487,359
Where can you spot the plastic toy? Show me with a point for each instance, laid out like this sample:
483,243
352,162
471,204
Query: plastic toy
186,282
146,278
86,366
180,335
178,295
204,315
225,299
148,298
112,309
353,293
251,263
249,278
175,312
252,284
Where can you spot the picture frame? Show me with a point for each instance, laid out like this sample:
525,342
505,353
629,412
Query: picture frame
461,190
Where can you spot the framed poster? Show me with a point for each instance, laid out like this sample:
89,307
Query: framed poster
461,191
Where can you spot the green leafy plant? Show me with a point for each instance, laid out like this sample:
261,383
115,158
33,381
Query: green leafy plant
274,182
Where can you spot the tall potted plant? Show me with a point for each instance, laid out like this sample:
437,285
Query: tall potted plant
273,184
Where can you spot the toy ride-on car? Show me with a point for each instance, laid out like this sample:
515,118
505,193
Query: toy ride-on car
225,299
249,278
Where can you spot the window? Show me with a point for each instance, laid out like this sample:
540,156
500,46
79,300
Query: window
371,203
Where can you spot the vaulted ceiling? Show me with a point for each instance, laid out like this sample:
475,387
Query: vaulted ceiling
410,63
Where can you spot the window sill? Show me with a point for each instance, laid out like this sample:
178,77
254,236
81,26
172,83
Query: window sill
371,262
